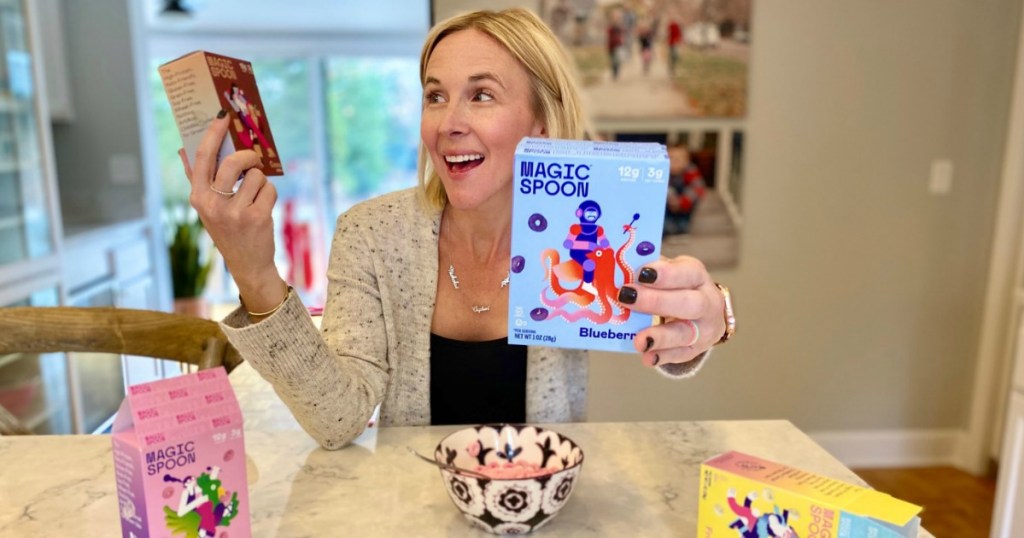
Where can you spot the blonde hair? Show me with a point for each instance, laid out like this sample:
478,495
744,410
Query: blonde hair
556,99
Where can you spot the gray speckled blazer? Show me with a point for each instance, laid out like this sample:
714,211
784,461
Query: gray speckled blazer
374,343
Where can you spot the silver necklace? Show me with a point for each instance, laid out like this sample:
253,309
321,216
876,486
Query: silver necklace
477,309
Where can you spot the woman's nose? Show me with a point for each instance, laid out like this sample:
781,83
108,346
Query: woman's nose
454,122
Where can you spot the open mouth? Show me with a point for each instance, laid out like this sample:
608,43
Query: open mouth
463,163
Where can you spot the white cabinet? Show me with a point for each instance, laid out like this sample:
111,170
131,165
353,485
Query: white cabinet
57,393
96,380
49,259
108,267
1008,521
34,388
58,91
28,220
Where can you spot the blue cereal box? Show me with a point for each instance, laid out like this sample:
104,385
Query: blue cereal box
586,216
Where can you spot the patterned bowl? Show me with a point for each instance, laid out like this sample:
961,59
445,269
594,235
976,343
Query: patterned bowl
509,505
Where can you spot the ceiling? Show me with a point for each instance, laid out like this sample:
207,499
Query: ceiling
294,16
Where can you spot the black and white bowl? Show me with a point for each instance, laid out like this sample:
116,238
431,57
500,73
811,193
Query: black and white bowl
509,505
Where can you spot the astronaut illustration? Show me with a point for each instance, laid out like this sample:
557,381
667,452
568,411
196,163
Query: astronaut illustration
584,238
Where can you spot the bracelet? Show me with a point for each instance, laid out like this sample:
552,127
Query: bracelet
288,292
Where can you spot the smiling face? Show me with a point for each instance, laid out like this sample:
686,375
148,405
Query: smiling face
678,159
477,105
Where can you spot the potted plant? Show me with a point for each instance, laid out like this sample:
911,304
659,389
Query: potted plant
191,259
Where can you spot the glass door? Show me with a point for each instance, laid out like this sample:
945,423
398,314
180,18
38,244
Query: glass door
25,221
34,387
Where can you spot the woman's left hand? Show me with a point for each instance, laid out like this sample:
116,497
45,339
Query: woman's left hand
681,291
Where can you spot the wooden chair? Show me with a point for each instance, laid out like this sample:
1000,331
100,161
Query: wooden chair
146,333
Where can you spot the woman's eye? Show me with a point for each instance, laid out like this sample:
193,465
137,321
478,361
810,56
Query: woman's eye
432,98
483,96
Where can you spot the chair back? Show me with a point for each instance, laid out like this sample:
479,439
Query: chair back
146,333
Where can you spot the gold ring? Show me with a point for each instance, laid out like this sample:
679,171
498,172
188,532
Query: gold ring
729,314
229,194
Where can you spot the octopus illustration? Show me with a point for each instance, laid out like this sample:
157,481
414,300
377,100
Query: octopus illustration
574,304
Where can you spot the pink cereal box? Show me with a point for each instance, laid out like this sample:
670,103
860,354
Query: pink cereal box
748,497
179,459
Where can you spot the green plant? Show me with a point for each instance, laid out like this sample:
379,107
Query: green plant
190,261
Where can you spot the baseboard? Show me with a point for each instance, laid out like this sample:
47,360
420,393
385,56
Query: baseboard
892,448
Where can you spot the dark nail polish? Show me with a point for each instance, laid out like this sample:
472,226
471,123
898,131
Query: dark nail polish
650,344
657,359
648,275
223,112
627,295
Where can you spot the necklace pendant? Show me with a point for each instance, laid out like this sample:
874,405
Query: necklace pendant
451,275
481,309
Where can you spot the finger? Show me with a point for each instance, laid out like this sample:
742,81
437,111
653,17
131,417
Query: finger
252,182
680,272
266,198
670,356
205,160
669,303
232,168
183,155
677,333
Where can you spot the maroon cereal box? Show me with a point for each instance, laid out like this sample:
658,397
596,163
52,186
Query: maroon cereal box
179,459
201,84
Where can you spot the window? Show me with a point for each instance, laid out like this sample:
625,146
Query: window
346,128
373,111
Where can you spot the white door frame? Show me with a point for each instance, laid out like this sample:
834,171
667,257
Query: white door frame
1002,302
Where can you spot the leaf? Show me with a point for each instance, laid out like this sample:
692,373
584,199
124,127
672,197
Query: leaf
190,261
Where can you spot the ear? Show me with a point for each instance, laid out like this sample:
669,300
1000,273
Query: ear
539,130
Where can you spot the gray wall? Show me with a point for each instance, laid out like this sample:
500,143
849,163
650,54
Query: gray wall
100,73
859,294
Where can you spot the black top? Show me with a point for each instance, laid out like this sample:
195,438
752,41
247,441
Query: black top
476,382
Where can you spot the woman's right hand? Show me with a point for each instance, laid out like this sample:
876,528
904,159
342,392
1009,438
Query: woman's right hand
240,224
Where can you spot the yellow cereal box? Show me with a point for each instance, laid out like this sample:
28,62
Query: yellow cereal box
748,497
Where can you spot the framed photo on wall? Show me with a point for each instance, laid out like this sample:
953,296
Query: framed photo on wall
647,59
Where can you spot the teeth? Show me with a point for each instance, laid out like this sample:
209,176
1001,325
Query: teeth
463,158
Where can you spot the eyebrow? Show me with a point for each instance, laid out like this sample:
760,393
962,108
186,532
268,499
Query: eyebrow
472,78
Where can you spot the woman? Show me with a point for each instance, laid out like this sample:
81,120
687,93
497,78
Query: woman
396,331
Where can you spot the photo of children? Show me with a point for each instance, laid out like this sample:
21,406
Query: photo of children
646,59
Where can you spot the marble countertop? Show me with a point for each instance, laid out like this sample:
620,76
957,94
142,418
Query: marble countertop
637,476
